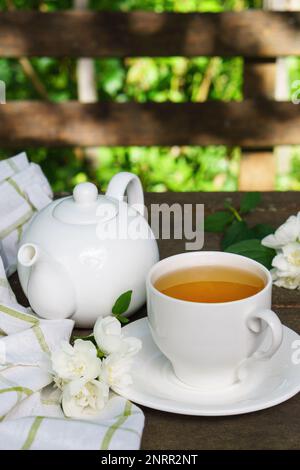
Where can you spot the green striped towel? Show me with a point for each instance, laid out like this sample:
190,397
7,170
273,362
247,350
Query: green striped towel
30,413
24,189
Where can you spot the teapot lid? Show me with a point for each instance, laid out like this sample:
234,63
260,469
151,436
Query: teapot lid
86,206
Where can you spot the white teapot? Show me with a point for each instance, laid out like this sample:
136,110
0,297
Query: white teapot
81,252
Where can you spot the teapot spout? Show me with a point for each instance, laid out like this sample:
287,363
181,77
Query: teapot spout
28,254
49,288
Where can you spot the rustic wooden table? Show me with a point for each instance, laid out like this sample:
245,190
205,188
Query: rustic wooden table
274,428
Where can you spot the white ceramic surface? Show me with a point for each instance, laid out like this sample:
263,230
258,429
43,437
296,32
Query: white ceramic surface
265,383
70,267
207,343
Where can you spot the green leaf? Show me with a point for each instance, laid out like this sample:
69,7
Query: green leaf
255,250
236,232
121,318
122,303
218,221
262,230
121,306
249,202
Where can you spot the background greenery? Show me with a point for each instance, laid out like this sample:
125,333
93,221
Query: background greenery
143,79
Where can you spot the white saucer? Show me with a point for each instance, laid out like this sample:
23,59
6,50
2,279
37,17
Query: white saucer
155,385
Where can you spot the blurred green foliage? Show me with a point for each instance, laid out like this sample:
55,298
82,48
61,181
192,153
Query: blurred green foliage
176,79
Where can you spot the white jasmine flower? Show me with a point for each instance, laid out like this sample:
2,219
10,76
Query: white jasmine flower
116,371
292,254
286,263
288,260
288,232
108,334
288,282
75,362
82,399
109,337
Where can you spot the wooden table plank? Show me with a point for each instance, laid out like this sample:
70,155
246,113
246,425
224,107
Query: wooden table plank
274,428
275,208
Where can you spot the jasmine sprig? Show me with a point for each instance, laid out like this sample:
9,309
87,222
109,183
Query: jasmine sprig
218,221
121,306
235,213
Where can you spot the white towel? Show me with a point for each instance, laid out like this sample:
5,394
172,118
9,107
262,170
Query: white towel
24,189
30,413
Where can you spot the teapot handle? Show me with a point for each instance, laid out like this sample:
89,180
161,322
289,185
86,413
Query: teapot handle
129,183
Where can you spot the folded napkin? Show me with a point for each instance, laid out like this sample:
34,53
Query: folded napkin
30,413
24,189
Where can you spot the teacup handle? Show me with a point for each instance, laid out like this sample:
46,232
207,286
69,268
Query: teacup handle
275,325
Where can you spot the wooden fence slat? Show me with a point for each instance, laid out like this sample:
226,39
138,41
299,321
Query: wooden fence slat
262,80
253,33
250,123
257,171
258,167
259,78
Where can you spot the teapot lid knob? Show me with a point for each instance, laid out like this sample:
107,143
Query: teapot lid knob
85,193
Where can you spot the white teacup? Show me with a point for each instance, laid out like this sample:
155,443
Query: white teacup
207,343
